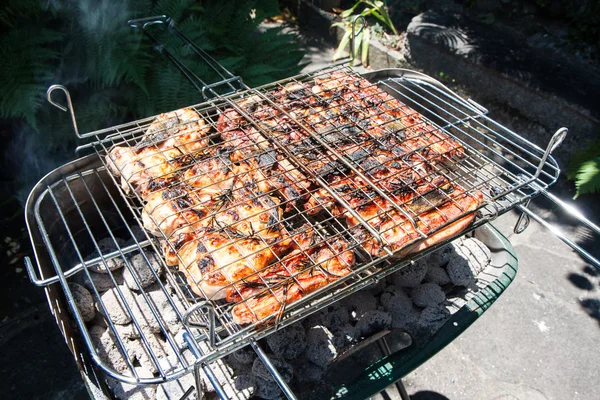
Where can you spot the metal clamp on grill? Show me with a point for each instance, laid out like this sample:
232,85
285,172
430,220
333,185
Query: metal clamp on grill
261,206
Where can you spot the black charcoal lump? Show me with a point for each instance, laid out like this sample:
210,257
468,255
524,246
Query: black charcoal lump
411,275
260,370
373,322
399,305
288,343
245,355
428,294
320,348
307,371
460,271
267,389
359,303
438,275
432,318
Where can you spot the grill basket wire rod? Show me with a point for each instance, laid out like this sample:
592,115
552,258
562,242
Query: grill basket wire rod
556,141
198,354
347,164
79,266
273,370
185,70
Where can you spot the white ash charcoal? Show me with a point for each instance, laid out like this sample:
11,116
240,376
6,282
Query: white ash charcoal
460,271
437,274
319,345
411,275
268,390
359,303
373,322
174,390
441,256
428,294
123,391
107,348
127,331
222,373
245,355
246,384
115,307
83,301
137,349
103,282
167,304
107,245
308,372
477,254
259,369
145,266
433,317
143,314
118,313
289,342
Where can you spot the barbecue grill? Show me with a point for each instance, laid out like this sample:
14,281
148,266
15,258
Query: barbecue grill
74,206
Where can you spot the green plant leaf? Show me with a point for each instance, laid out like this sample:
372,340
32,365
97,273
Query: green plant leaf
339,52
365,46
587,179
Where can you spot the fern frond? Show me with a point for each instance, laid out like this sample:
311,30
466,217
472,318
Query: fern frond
588,177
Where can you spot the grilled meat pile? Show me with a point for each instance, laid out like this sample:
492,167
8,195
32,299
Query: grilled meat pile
320,148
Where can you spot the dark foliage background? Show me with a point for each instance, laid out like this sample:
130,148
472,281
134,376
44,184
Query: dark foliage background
113,73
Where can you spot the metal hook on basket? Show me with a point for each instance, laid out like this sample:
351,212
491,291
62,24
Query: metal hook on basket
555,141
210,310
523,221
147,21
69,106
363,25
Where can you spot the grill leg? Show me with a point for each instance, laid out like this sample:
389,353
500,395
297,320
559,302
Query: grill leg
198,382
385,349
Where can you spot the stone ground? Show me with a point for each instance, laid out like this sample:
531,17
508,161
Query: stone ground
539,341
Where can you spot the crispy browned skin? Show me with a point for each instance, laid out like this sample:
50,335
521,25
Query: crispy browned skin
302,272
397,231
162,150
212,261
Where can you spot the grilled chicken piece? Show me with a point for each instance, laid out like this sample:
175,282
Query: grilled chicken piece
162,150
266,294
212,261
168,211
397,232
